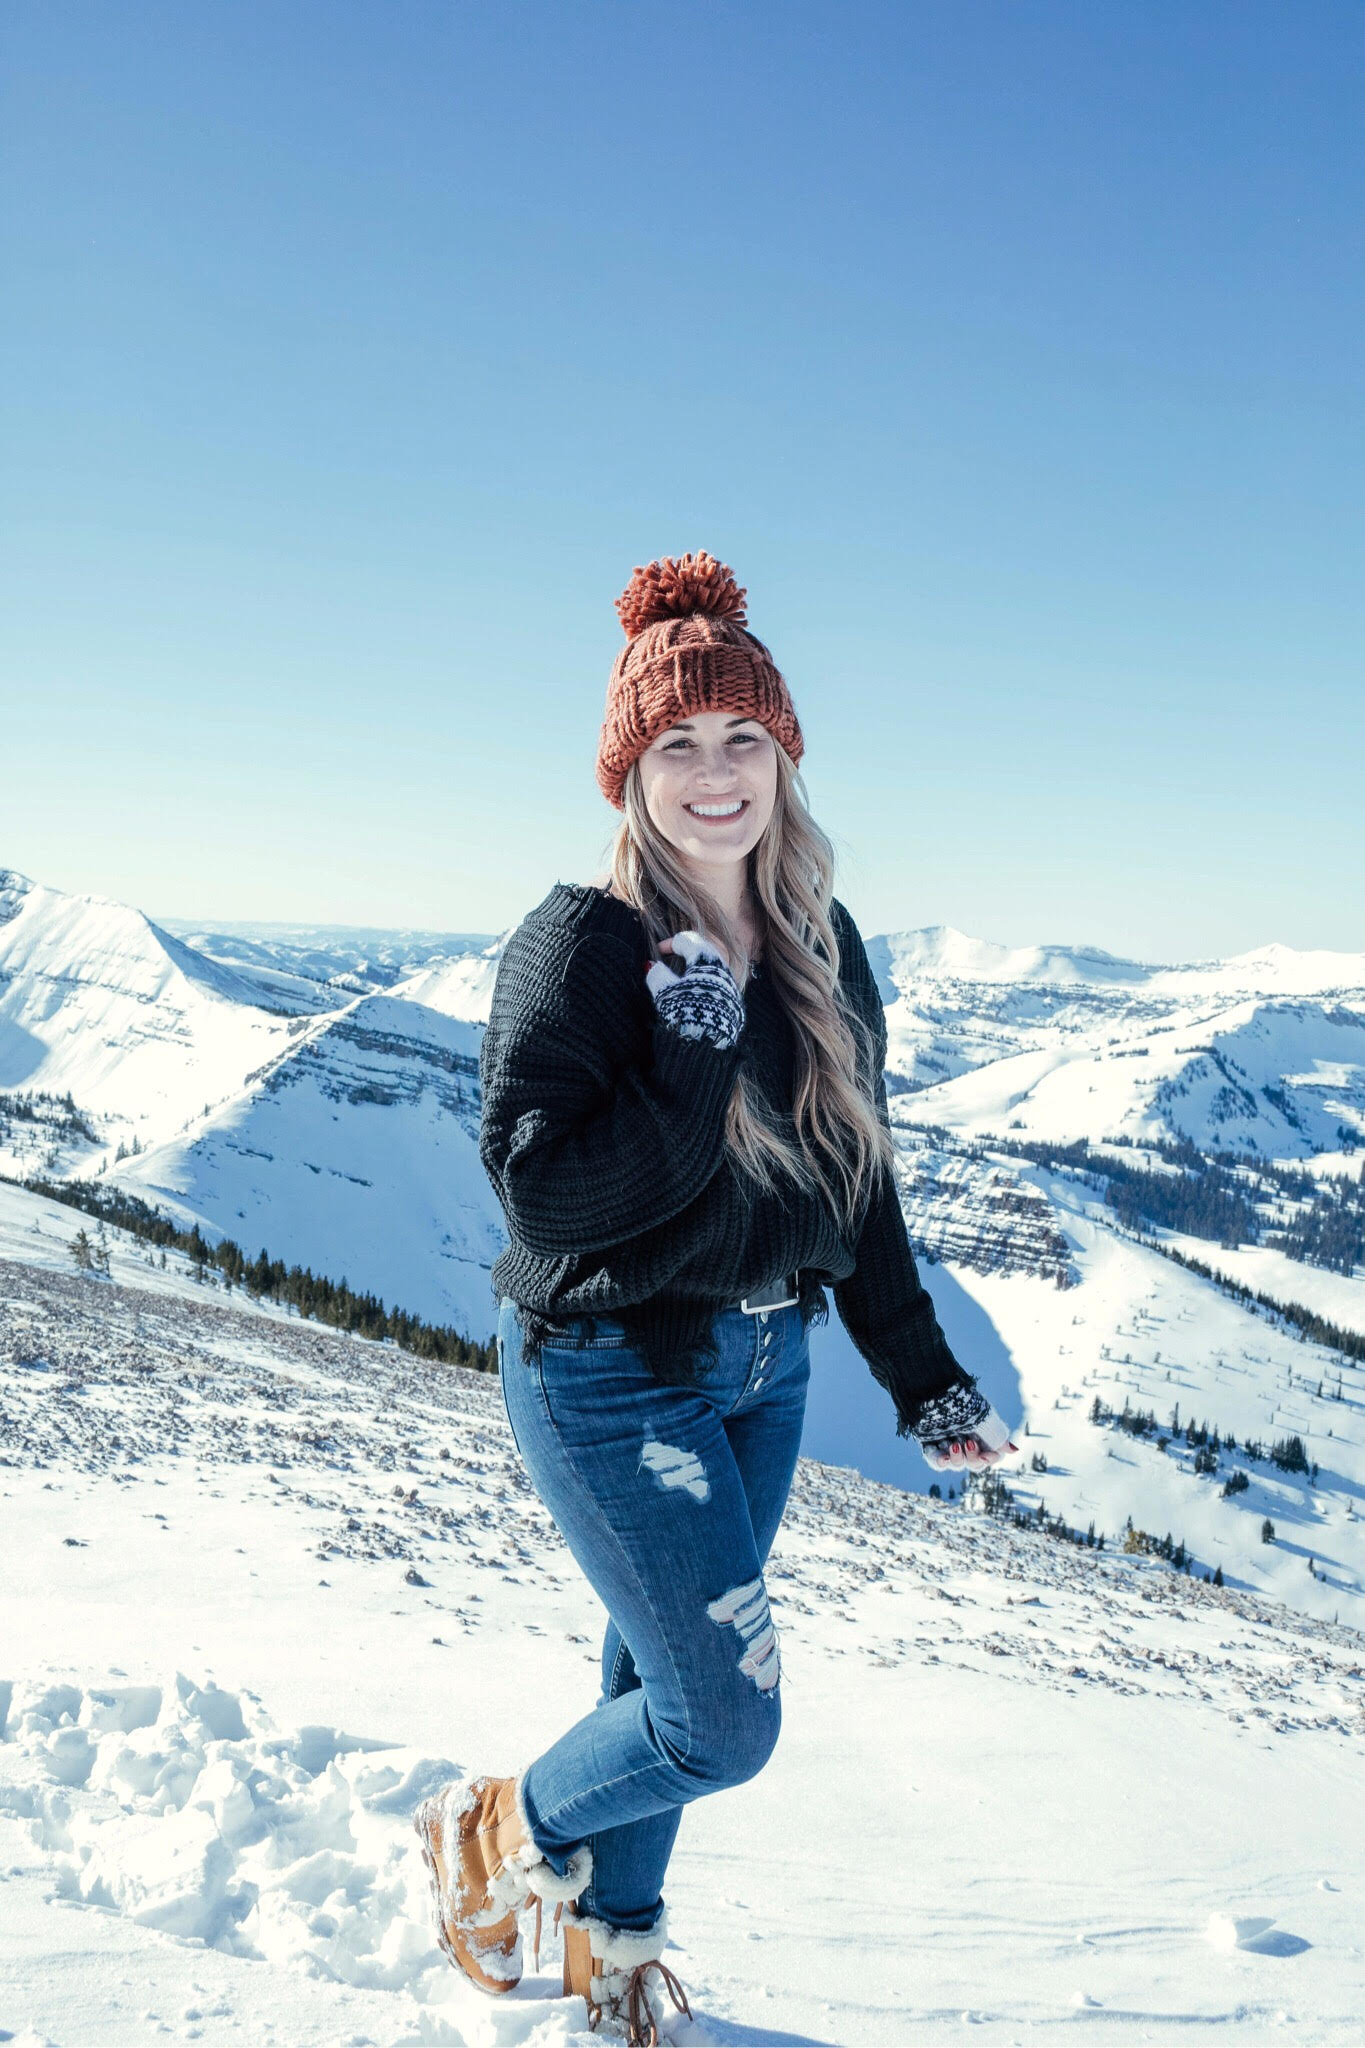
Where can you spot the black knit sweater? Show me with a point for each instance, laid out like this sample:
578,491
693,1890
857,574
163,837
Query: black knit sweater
603,1135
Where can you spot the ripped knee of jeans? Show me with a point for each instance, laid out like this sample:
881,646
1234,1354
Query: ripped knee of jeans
745,1608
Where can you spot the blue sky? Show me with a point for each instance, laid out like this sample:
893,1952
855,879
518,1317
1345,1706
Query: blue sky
1010,351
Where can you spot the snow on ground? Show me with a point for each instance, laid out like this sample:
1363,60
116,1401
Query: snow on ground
267,1583
1339,1297
1141,1329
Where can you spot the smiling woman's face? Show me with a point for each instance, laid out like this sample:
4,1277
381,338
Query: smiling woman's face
710,783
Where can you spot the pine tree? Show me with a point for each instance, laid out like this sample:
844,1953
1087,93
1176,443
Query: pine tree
1267,1531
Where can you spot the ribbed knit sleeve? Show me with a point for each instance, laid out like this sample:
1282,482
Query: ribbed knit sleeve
883,1303
599,1121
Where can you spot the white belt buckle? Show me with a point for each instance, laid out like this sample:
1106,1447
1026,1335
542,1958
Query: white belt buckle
761,1307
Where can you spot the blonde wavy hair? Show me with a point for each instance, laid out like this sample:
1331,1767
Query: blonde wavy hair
839,1141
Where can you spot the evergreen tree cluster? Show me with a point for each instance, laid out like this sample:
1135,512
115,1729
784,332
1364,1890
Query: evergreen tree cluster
1205,1204
57,1114
998,1499
1140,1422
1312,1327
298,1287
91,1255
1141,1543
1331,1231
1289,1453
1223,1197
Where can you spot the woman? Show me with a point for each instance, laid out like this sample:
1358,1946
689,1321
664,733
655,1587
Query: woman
684,1116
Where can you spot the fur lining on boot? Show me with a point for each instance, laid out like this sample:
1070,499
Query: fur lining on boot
620,1948
541,1877
546,1882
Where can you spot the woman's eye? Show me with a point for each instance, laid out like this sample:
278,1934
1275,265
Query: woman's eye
672,746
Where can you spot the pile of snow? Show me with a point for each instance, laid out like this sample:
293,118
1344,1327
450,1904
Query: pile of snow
185,1808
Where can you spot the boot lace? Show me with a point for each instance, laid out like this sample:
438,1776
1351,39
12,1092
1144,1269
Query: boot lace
631,2005
539,1903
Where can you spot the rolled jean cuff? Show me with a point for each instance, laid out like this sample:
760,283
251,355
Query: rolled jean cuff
564,1858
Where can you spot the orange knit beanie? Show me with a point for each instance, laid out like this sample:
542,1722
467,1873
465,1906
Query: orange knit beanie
687,650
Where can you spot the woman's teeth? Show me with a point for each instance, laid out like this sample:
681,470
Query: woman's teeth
730,810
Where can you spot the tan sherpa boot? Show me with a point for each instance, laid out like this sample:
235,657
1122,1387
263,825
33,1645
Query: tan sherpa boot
609,1969
484,1867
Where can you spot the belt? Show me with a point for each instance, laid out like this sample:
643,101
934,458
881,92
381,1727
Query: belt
784,1293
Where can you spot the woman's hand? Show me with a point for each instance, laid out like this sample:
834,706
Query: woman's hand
704,1001
691,938
966,1453
959,1429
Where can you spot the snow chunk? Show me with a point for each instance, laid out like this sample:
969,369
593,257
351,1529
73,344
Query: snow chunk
186,1809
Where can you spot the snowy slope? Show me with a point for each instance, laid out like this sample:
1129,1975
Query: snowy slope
355,1153
277,1582
1140,1329
98,1002
344,1140
459,988
1137,1328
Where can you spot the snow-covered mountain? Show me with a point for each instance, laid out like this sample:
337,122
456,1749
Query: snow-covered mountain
143,1033
332,1121
1264,1053
315,962
354,1152
340,1134
278,1583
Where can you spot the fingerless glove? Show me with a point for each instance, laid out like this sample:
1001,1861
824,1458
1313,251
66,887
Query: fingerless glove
704,1001
958,1412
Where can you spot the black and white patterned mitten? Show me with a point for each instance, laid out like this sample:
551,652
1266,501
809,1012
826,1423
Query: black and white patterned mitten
704,1001
961,1411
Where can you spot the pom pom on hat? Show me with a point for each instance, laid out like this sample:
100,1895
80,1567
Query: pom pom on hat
676,587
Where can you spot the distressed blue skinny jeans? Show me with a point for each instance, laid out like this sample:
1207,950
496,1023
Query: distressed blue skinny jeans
669,1498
